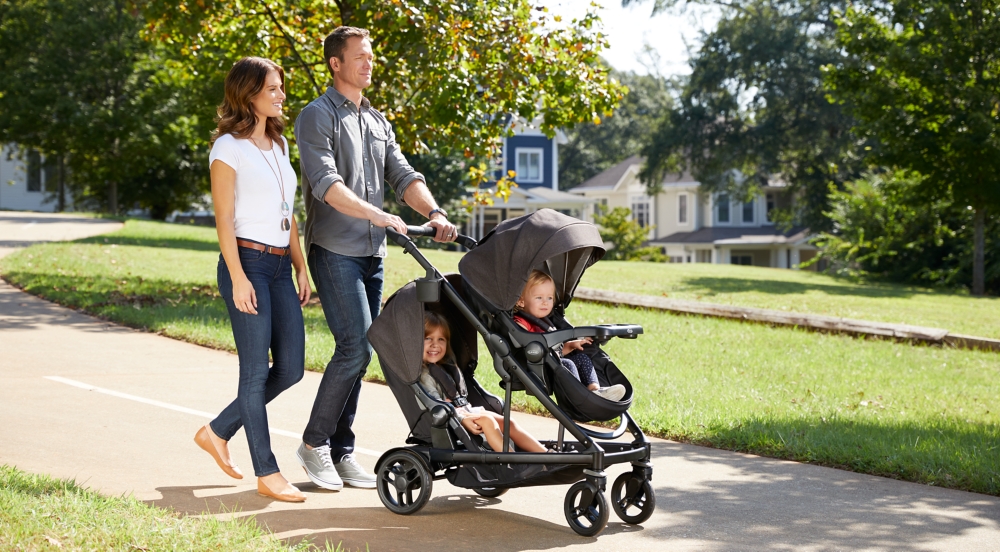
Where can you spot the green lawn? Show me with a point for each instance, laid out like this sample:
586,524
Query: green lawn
41,513
914,412
802,291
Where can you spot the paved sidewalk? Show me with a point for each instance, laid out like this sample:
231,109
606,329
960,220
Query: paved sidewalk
21,229
117,410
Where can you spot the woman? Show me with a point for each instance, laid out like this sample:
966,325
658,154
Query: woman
253,186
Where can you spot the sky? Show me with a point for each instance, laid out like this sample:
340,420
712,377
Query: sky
670,34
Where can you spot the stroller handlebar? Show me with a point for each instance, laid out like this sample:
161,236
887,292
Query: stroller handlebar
425,231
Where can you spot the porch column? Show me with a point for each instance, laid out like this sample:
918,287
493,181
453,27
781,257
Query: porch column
782,254
794,261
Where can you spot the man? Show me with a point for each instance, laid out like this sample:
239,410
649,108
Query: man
348,154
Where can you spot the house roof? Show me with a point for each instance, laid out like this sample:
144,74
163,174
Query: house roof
609,178
539,197
717,235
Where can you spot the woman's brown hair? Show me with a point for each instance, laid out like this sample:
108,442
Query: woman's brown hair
235,115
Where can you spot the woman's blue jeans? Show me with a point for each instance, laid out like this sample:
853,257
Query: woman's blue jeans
277,327
350,290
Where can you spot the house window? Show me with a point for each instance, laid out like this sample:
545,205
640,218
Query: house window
770,206
748,212
746,260
640,210
703,256
529,165
722,208
682,209
34,171
490,221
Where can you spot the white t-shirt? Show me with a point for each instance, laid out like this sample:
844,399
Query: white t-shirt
258,195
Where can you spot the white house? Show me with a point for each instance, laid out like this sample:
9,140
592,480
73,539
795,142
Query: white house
26,182
695,227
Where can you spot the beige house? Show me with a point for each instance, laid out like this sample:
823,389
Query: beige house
695,227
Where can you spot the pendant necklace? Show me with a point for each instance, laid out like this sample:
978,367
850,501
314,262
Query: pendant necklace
285,210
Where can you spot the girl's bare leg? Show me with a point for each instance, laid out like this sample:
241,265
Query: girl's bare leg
489,425
489,428
524,440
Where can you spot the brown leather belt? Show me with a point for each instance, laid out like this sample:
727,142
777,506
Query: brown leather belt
279,251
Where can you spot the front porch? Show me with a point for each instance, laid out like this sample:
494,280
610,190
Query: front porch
523,201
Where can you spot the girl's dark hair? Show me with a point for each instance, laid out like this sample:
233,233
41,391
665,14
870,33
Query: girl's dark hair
235,115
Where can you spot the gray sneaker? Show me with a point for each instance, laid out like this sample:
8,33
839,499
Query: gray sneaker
611,393
319,467
353,474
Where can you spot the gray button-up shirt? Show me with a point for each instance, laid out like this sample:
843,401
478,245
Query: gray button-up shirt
339,142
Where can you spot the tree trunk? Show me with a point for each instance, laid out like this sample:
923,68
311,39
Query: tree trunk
979,254
61,197
113,197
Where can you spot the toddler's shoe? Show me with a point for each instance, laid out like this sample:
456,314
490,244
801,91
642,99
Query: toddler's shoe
612,393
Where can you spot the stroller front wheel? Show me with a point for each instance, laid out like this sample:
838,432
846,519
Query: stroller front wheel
586,509
633,498
404,481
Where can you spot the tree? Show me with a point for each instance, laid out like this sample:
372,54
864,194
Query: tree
594,146
754,112
884,229
626,236
922,77
80,84
449,75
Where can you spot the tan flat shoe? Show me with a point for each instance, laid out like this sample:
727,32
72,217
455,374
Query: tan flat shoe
204,440
290,494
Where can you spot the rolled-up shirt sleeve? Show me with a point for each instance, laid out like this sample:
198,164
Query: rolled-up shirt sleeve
314,135
398,172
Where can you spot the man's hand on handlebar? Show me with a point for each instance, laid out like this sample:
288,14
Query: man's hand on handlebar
446,231
386,220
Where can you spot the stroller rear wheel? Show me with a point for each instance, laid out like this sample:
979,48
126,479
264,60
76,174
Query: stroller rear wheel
404,481
633,498
586,509
490,492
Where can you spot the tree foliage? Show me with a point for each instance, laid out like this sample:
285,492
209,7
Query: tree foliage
81,84
448,75
884,229
595,146
923,79
626,236
754,112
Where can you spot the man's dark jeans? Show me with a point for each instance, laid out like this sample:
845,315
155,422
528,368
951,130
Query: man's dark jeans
276,326
350,290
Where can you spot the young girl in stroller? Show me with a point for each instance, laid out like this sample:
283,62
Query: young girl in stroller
443,381
537,301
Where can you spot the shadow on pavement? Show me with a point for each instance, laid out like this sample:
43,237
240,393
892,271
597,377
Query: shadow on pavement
807,505
447,522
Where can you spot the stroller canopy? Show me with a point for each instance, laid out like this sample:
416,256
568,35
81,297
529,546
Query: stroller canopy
397,334
546,240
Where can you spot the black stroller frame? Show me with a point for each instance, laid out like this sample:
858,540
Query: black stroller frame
404,471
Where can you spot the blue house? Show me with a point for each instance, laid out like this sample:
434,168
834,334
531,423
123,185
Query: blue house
534,158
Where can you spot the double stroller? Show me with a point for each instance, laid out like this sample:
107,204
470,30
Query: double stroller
480,300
